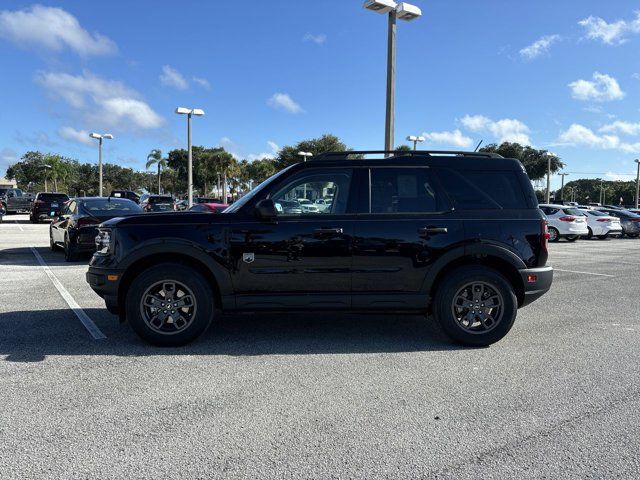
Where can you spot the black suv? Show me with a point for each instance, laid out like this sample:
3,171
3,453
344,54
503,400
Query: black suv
47,205
454,234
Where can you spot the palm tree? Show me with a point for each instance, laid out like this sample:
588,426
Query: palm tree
155,158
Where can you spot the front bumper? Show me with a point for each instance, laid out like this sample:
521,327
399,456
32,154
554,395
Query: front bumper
536,281
106,282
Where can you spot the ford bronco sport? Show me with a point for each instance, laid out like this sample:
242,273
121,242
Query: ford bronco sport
457,235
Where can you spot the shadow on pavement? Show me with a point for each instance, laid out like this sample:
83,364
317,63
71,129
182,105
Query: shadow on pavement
23,256
31,336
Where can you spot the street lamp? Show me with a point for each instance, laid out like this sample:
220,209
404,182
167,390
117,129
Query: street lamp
637,182
45,176
198,113
304,155
403,11
100,137
562,188
415,139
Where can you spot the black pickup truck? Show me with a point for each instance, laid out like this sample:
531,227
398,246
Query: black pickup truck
15,200
457,235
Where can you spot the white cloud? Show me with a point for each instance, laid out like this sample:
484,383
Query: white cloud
618,177
203,82
319,39
103,103
7,157
52,29
455,138
539,47
274,149
78,136
579,135
505,130
170,77
285,102
624,128
610,33
602,88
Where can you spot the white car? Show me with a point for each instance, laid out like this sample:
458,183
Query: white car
600,224
565,222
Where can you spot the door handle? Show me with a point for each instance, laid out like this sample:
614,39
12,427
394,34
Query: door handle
325,231
426,231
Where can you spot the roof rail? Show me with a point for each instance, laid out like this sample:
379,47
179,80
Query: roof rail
403,153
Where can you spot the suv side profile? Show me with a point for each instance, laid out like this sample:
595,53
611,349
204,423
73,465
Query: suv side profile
454,234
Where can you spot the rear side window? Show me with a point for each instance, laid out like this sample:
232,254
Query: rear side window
573,211
405,190
475,189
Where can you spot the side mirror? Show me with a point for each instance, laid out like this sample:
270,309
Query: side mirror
266,209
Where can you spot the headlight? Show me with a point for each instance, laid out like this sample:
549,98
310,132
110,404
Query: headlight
103,242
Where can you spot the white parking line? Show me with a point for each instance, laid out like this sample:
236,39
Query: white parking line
584,273
73,305
19,226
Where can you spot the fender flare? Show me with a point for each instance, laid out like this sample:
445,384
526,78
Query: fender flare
469,251
180,247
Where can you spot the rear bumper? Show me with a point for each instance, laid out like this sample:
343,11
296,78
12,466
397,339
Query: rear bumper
105,283
536,281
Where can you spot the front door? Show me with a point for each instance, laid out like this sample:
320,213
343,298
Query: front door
303,258
406,226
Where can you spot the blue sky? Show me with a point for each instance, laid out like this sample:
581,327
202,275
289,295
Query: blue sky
561,75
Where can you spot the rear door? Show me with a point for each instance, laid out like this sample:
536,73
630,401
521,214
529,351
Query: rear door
403,227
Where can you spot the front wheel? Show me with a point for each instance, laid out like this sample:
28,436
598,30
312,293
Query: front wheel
554,235
603,237
475,306
170,305
633,235
572,238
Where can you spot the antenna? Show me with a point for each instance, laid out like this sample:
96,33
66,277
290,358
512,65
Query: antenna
478,146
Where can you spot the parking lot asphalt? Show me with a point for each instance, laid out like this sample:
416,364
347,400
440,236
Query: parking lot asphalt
322,395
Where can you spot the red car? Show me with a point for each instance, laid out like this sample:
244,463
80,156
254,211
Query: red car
208,207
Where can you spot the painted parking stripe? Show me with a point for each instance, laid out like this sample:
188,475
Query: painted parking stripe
585,273
73,305
19,226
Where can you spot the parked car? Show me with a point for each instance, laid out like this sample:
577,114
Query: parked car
424,232
600,224
206,200
323,204
15,200
209,207
565,222
75,228
128,194
630,221
182,205
289,207
158,203
307,206
2,212
47,205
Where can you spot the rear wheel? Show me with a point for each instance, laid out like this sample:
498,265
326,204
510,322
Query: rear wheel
603,237
633,235
52,244
475,306
70,250
590,234
572,238
170,305
554,235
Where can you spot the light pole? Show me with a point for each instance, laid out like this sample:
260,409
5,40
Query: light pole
304,156
198,113
100,137
45,166
403,11
562,187
637,182
415,139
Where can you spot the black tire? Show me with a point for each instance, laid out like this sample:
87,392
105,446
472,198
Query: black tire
590,234
52,244
554,235
33,220
633,235
70,250
572,238
447,294
183,277
603,237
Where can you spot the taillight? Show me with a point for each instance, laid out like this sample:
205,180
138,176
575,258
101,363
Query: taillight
544,234
87,221
635,220
568,218
604,220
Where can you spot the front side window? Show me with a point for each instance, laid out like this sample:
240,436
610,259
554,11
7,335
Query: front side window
299,196
404,190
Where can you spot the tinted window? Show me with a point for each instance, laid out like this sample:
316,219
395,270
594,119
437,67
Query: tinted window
198,208
160,200
297,196
110,206
483,189
53,197
596,213
573,211
405,190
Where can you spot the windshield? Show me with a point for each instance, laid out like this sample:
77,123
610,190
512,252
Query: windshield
160,200
234,207
53,197
111,206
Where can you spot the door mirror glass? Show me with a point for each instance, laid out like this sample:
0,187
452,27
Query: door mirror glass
266,209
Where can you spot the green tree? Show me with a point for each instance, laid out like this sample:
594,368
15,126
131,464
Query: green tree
535,161
288,155
155,158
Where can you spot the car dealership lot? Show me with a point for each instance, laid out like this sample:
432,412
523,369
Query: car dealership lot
321,395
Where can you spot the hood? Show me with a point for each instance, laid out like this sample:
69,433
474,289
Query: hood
167,218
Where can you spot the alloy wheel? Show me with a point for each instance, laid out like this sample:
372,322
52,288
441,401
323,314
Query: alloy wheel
477,307
168,307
